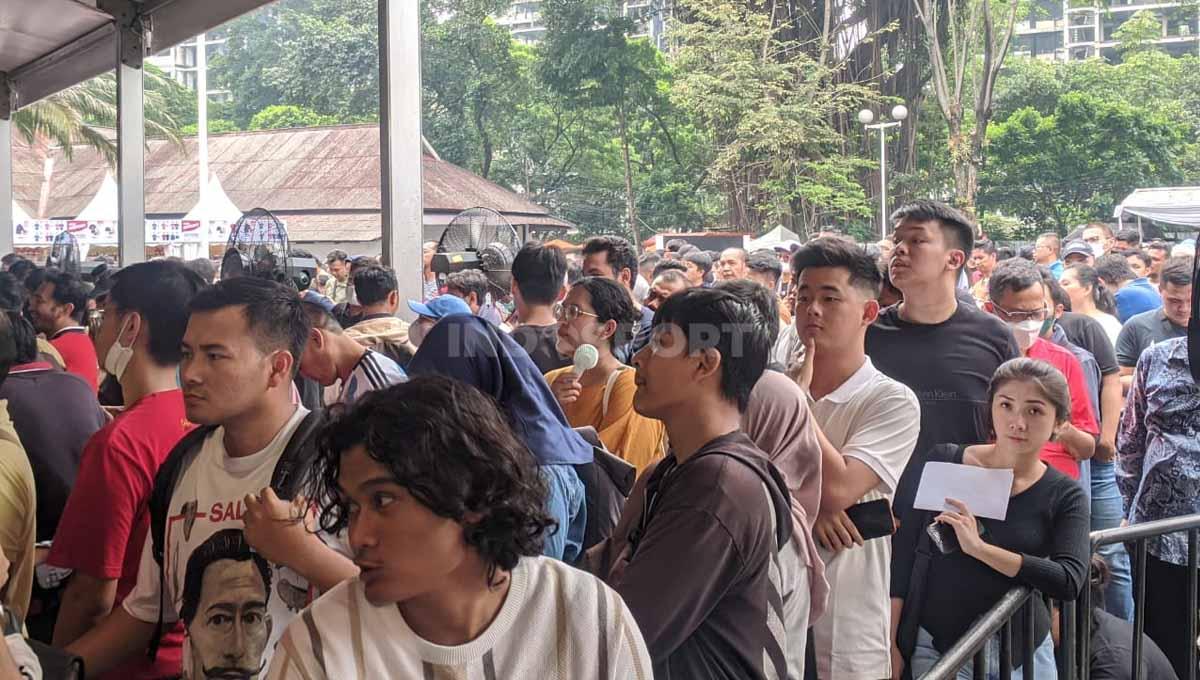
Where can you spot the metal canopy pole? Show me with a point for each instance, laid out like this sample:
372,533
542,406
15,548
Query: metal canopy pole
400,148
131,136
6,166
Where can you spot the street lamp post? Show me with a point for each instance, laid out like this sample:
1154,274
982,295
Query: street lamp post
866,117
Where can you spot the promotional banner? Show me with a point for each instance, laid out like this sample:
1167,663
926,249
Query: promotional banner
104,232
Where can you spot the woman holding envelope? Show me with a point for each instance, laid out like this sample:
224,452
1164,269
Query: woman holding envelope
949,571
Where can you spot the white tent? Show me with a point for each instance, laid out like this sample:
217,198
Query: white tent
103,207
19,216
1171,205
772,238
216,205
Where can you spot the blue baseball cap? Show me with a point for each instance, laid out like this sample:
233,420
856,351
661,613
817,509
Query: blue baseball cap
440,306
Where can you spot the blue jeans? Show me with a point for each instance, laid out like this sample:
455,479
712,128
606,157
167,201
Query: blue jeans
925,655
565,504
1107,513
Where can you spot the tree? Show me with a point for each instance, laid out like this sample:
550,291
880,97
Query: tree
470,78
280,117
977,37
81,113
1138,33
321,55
1073,166
768,102
588,58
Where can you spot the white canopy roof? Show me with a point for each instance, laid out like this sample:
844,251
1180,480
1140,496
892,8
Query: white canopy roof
1172,205
19,216
216,205
772,238
103,206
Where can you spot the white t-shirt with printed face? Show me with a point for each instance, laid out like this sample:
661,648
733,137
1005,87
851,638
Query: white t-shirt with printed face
234,604
876,420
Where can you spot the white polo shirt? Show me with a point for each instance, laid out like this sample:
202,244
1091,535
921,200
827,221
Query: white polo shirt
875,420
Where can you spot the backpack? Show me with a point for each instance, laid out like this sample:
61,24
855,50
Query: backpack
292,470
607,483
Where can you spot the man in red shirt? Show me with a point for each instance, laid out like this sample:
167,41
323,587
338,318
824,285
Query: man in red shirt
104,526
1018,298
57,309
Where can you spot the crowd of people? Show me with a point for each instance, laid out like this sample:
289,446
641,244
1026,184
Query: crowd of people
680,465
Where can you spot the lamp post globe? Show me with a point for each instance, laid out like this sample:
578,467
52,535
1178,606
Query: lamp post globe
866,116
899,112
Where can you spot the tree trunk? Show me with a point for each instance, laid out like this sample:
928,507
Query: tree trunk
630,200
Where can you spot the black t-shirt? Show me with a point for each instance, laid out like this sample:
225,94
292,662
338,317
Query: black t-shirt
949,366
1047,524
1086,332
54,414
1112,651
1143,330
541,342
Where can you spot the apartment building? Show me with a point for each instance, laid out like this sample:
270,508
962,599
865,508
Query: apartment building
1061,30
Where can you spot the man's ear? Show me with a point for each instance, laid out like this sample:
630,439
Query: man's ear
956,260
709,364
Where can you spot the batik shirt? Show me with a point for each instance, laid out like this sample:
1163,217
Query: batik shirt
1158,447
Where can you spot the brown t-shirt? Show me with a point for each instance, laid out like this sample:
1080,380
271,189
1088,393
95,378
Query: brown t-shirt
696,573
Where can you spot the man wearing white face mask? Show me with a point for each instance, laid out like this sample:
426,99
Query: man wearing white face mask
1018,298
103,527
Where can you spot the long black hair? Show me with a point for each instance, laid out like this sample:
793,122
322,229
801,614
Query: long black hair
1088,276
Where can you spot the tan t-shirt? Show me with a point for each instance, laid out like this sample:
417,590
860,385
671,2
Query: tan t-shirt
18,513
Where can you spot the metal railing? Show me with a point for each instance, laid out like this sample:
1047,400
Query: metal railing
1074,651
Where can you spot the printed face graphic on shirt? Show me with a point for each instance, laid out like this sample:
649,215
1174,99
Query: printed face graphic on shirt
226,591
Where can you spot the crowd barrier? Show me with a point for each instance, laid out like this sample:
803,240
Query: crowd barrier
1074,648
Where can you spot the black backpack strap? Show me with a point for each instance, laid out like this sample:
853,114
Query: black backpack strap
295,465
160,509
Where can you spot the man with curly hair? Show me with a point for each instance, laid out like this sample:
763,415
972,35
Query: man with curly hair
445,513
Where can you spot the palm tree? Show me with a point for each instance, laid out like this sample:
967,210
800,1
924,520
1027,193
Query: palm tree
86,113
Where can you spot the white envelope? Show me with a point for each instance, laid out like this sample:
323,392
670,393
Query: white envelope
984,490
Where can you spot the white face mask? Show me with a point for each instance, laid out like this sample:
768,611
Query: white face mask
1026,332
116,360
1097,249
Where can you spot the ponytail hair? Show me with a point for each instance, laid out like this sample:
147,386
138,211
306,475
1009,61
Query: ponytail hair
1101,296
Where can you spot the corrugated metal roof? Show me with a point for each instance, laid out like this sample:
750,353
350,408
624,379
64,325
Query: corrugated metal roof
297,172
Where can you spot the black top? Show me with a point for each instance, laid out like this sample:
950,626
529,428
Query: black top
54,413
1086,332
541,343
949,366
1112,651
1047,524
1143,330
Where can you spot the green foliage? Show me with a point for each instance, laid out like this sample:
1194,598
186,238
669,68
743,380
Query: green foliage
321,55
280,117
216,126
766,103
1075,164
1138,33
83,114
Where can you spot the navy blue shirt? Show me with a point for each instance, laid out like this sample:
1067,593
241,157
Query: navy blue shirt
1137,297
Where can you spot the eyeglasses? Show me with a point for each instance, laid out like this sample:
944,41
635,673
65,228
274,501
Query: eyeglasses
1019,315
571,312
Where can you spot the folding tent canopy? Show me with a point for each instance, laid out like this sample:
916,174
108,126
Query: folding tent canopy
1169,205
773,238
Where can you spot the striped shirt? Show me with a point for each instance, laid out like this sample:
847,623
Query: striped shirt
556,623
373,371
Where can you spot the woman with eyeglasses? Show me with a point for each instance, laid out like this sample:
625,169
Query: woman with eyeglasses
599,312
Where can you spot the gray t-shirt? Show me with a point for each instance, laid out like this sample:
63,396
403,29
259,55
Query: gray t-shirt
1142,331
